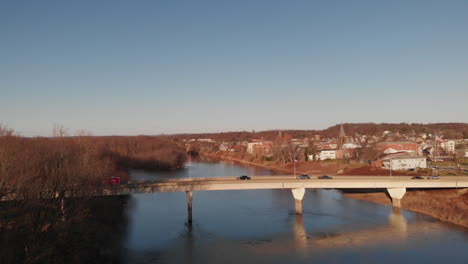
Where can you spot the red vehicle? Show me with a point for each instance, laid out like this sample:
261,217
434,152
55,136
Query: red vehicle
112,181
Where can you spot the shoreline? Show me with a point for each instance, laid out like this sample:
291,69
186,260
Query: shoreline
447,205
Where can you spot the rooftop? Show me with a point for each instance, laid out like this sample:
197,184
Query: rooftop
396,142
397,157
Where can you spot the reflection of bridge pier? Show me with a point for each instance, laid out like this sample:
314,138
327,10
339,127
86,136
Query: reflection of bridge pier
189,206
396,230
300,234
397,221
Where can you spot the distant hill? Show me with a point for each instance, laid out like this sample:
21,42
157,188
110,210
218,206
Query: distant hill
449,130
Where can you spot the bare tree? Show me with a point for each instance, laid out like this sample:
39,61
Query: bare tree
5,131
59,131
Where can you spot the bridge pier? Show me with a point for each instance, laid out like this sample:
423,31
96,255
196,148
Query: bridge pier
189,206
396,194
298,195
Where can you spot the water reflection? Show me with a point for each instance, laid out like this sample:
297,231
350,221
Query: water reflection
396,229
94,231
300,235
259,226
248,226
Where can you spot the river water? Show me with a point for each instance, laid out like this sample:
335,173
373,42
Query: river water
259,226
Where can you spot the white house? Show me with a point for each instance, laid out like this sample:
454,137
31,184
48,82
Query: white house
250,146
404,162
327,154
448,146
351,145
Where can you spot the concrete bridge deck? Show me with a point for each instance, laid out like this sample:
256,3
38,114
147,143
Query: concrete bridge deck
284,182
395,185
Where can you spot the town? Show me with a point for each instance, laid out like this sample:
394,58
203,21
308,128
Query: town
391,150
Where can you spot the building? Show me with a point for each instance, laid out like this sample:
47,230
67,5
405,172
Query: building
448,146
398,146
260,147
327,146
351,145
327,154
404,162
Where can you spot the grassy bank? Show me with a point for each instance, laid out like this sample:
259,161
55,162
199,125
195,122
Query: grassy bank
449,205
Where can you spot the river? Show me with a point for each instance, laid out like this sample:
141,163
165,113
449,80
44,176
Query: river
259,226
238,226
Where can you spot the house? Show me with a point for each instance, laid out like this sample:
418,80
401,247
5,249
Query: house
397,146
224,147
351,145
327,154
327,146
404,162
260,147
448,146
251,145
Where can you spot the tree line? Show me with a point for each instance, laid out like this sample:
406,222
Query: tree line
41,166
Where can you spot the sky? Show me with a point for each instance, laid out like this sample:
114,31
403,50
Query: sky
162,67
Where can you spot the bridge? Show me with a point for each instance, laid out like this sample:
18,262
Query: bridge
395,185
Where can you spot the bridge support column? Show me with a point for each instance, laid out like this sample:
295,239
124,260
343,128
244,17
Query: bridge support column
298,195
396,194
189,206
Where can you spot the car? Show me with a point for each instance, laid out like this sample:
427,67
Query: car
433,177
112,181
417,177
303,177
244,177
325,177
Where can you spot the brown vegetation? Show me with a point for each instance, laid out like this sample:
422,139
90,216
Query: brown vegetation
45,167
43,172
450,130
142,152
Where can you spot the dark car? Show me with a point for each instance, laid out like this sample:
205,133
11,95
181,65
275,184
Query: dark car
325,177
433,177
303,177
244,177
418,178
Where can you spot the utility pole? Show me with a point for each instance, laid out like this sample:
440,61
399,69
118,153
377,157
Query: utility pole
294,160
190,166
435,153
390,166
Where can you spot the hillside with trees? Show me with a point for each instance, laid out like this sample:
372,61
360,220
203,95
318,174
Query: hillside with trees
448,130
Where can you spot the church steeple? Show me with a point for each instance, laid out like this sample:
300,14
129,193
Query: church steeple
342,133
341,136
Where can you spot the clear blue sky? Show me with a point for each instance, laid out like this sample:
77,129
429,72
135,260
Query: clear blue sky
151,67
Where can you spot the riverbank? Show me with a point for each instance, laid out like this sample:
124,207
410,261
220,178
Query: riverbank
449,205
311,168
